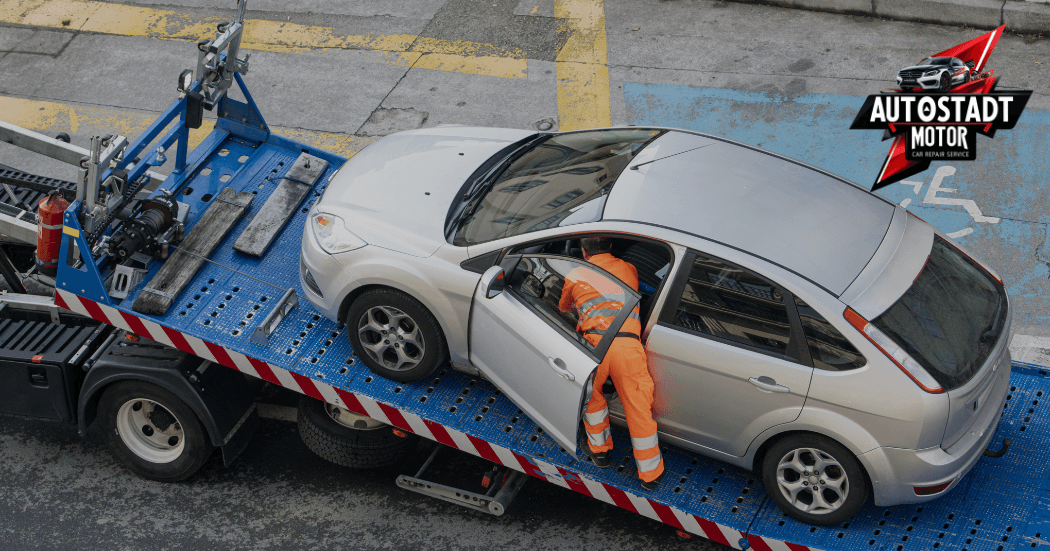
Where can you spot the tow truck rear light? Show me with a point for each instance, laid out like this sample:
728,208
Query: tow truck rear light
894,352
931,490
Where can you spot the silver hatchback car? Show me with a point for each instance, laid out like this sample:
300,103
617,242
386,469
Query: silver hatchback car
795,323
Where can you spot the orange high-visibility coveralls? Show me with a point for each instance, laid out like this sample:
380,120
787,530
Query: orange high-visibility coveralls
625,362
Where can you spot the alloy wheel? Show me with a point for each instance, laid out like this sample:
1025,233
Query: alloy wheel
812,481
391,338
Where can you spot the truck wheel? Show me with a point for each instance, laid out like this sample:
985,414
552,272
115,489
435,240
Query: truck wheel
151,432
814,479
351,440
395,335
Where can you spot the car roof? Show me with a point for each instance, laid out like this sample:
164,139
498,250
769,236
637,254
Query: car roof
813,223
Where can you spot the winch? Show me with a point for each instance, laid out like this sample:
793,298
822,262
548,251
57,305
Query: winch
150,230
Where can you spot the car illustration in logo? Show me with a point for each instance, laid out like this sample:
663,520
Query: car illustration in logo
935,73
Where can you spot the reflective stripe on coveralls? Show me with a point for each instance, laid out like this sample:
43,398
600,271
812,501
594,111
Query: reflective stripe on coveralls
598,300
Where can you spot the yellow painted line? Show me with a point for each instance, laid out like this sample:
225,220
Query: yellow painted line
50,118
259,34
481,65
582,66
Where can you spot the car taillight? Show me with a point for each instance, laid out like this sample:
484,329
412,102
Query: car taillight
894,352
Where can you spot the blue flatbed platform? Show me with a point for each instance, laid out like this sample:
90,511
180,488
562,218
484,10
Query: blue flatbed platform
1002,504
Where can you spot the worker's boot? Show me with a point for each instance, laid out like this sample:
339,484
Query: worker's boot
652,485
600,459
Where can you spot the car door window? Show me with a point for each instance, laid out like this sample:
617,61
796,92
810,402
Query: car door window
540,281
733,304
828,348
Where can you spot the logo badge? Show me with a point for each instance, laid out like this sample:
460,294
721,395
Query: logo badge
942,104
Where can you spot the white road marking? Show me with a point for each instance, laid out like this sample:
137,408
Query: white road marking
1030,349
968,204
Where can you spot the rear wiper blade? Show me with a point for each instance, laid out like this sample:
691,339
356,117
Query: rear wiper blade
993,331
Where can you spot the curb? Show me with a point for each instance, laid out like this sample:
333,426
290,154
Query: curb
1025,17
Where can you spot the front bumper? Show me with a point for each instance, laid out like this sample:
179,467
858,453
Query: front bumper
329,277
926,83
895,472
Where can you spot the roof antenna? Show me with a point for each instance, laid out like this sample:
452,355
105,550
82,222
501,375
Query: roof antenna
635,167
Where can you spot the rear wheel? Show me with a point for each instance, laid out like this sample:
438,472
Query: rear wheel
395,335
350,439
814,479
151,432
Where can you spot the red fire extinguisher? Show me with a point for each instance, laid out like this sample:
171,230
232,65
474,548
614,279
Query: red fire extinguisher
49,233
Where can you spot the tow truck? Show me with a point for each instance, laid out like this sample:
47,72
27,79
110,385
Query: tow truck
173,293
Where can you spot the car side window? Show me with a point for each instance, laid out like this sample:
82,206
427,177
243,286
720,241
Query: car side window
734,304
581,300
828,348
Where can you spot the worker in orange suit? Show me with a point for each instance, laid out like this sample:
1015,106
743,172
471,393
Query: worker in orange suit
597,305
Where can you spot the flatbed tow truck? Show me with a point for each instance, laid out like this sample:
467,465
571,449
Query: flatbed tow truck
241,311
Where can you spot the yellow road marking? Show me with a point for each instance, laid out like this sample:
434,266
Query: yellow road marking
48,117
481,65
260,34
582,66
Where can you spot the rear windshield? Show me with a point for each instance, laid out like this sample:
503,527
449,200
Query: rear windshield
950,318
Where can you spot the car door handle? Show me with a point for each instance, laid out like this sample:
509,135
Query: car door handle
767,384
559,367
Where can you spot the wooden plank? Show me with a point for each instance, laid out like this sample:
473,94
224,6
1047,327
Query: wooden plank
225,210
282,204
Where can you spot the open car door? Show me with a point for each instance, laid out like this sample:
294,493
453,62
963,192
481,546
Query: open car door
529,348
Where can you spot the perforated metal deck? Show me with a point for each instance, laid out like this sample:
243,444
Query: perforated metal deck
1002,504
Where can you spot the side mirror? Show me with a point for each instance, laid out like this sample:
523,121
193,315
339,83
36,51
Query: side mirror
493,281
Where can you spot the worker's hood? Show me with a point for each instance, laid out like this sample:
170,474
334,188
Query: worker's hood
397,192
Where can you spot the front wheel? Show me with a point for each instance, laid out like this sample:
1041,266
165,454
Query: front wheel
945,83
395,335
814,479
151,432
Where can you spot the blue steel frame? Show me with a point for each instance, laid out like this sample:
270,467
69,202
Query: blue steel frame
79,272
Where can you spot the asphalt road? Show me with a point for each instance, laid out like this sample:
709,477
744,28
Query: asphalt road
61,491
340,74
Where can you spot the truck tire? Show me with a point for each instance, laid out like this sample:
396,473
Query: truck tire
151,432
329,431
395,335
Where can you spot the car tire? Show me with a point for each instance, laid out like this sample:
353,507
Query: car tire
967,78
380,313
151,432
824,463
329,432
945,84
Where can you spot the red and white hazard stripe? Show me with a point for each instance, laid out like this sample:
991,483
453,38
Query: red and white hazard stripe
361,404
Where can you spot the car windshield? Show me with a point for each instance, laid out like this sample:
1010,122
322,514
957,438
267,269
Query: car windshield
936,61
561,181
950,318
